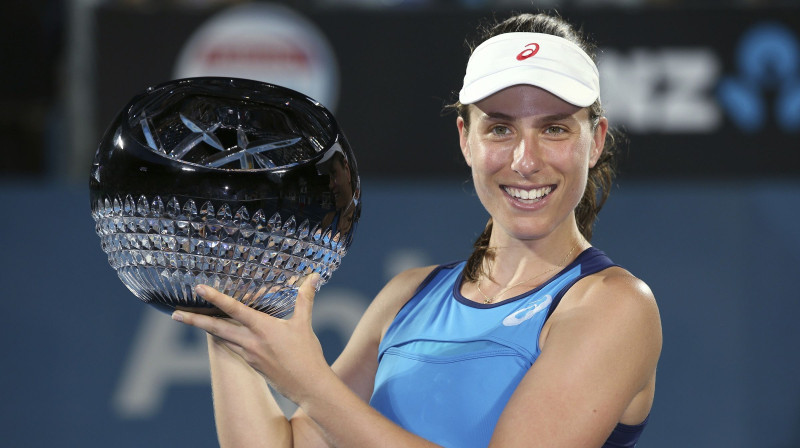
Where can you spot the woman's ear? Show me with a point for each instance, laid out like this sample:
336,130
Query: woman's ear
462,140
598,141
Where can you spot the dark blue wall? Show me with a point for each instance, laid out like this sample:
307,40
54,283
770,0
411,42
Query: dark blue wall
88,365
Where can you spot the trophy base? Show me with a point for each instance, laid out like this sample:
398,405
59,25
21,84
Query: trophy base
207,309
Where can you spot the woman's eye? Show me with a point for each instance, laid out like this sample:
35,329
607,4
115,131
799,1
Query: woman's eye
500,130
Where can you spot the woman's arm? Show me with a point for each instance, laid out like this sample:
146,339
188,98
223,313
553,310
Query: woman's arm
252,347
596,368
245,412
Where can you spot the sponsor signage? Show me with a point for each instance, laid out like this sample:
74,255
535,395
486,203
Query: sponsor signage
264,42
719,98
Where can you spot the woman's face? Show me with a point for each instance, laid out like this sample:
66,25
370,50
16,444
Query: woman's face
530,153
340,183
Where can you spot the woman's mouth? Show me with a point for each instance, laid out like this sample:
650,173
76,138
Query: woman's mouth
528,196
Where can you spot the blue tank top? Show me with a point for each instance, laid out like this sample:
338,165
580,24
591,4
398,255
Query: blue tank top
433,361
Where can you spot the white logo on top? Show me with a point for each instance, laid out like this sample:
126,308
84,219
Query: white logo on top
528,312
266,42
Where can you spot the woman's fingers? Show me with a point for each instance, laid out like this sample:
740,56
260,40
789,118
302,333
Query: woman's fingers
239,313
277,348
227,304
305,297
220,328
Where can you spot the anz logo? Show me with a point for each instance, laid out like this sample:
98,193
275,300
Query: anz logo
766,84
683,90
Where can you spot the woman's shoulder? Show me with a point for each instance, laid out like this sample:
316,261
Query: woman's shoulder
618,278
396,293
614,293
619,282
400,289
604,311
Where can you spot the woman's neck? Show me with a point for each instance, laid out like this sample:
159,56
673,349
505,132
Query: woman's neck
516,260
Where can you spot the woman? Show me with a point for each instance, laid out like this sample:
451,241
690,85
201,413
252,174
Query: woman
538,340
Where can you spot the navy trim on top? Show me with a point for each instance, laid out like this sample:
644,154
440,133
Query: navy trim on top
593,260
626,436
425,282
431,276
583,257
599,261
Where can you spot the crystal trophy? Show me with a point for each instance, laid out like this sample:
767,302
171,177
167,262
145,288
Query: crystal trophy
238,184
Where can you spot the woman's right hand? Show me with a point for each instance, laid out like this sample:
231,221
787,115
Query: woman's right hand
285,351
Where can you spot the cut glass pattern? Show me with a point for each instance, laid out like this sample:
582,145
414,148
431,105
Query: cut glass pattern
162,250
216,134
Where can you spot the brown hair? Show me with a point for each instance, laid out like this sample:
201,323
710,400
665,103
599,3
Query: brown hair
601,176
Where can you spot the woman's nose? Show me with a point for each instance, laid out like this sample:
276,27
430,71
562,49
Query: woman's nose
526,159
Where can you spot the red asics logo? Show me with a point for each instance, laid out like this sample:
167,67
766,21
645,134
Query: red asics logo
528,52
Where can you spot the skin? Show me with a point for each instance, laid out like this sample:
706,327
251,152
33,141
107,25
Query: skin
340,183
527,139
599,348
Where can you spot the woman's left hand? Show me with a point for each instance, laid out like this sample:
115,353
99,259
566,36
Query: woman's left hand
285,351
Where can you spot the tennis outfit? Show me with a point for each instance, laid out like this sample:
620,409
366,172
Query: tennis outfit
448,365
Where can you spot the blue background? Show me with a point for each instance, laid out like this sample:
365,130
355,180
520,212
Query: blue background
721,258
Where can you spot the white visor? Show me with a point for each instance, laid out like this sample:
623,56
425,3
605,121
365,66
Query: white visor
542,60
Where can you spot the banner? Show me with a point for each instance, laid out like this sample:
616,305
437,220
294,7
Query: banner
697,92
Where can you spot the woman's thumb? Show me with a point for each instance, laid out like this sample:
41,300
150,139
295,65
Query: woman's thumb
305,296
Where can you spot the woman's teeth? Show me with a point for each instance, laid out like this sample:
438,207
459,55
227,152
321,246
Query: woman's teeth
528,195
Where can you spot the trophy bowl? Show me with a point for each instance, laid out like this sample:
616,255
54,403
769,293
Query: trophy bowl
237,184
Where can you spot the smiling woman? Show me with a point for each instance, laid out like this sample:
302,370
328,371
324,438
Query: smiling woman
538,340
524,140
